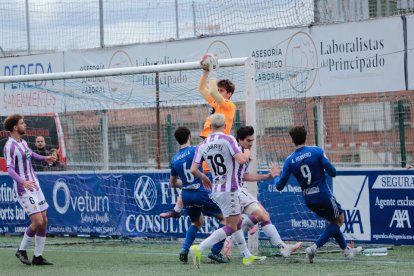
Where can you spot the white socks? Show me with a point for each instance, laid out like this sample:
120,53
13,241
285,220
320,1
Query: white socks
214,238
238,239
39,245
25,242
271,232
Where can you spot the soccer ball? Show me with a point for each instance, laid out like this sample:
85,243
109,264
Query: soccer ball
209,62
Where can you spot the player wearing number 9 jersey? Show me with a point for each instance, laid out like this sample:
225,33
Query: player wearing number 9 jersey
308,164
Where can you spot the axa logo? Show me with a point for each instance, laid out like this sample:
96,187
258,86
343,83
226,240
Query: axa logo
145,193
353,219
401,218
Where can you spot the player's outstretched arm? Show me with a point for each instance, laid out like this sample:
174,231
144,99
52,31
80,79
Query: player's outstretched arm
214,92
281,181
202,86
274,170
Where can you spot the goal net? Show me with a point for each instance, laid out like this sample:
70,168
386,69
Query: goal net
114,128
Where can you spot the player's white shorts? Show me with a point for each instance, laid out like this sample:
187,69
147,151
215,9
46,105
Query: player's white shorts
228,202
33,202
246,198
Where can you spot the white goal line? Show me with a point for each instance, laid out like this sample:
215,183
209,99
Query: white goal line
121,71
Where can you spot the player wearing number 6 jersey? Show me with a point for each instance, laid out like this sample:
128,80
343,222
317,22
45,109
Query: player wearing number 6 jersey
221,152
308,164
196,198
27,188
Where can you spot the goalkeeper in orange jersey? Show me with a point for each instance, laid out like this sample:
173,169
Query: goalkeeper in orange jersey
217,94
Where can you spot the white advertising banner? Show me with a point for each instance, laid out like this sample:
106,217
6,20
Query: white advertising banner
30,97
329,60
352,192
410,47
336,59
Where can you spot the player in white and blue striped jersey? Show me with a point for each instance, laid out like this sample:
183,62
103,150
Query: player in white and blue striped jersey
196,198
221,152
27,188
309,164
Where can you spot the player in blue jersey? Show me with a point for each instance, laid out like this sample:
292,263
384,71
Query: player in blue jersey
195,197
309,164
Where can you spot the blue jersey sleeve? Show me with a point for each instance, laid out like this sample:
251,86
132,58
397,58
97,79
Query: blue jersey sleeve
327,165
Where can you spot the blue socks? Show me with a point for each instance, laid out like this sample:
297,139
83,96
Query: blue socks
189,238
332,230
216,249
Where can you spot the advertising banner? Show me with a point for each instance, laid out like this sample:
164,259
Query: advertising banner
31,97
319,60
378,206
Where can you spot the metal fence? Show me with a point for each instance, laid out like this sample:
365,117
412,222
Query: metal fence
30,27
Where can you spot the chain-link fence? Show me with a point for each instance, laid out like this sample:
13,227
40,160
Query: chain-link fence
29,27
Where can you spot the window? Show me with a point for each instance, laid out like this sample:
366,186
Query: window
365,117
276,120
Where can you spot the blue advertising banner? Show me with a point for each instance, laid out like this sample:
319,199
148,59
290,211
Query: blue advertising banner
101,204
378,206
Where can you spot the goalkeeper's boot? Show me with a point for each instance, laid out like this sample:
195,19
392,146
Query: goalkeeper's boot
310,253
218,258
288,249
253,259
22,256
350,253
170,214
184,256
196,255
39,260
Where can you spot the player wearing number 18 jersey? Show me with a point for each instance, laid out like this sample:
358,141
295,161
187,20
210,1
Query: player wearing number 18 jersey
221,152
308,164
196,198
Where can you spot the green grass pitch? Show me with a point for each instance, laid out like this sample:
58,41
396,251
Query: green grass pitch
155,258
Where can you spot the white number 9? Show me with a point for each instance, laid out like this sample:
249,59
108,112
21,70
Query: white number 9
306,173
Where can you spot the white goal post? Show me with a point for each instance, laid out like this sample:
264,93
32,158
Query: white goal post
70,96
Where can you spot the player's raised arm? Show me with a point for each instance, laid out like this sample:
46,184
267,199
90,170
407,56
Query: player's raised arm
202,86
214,92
